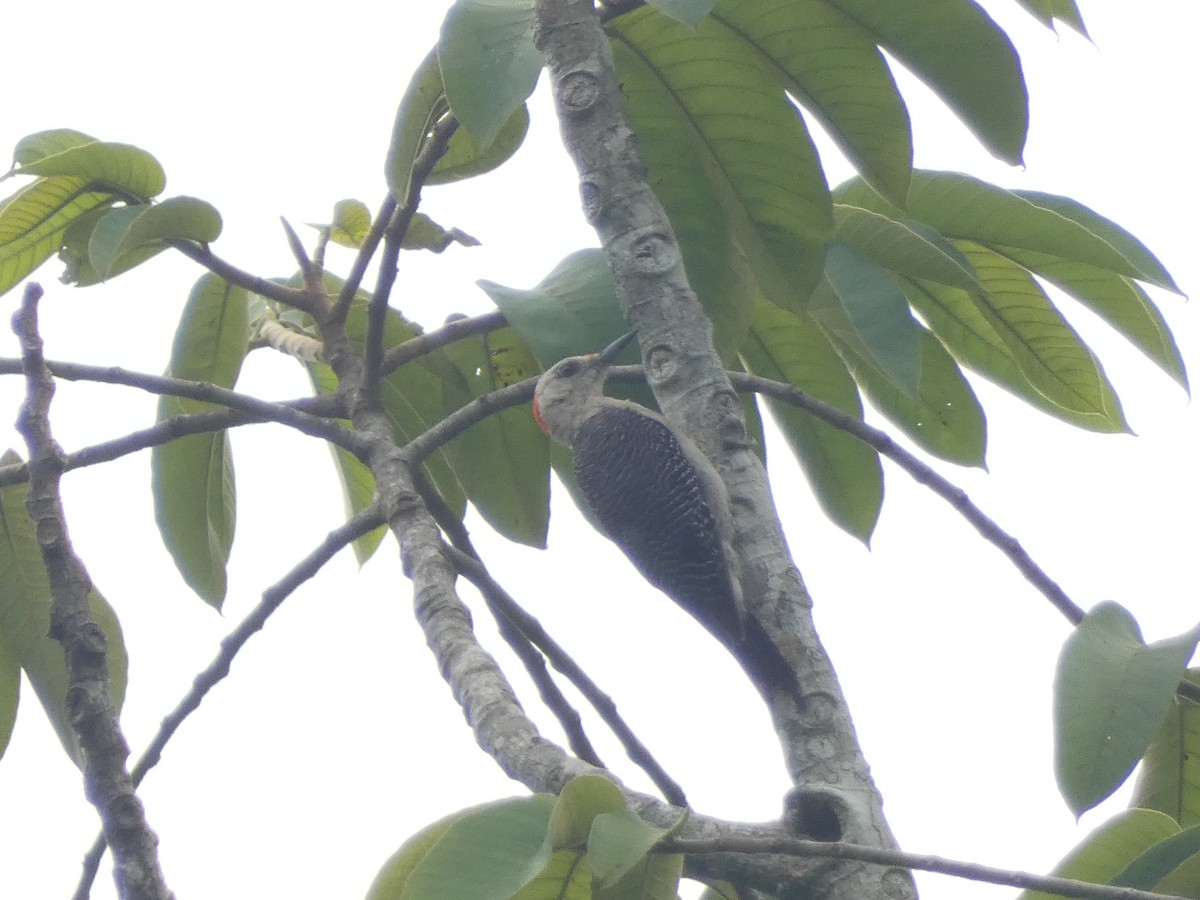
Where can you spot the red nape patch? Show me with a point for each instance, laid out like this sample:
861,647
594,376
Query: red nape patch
537,414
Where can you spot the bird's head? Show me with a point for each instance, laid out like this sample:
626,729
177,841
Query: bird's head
571,391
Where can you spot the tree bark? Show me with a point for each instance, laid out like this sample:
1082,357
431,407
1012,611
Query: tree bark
834,797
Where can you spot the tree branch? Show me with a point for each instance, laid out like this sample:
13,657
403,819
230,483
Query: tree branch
1065,887
104,750
231,645
264,287
504,606
434,149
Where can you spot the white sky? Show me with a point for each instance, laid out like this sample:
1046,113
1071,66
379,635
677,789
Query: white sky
334,738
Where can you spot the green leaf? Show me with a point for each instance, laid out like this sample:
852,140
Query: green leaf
770,189
717,269
878,311
106,236
961,206
422,103
618,842
1117,299
1144,263
572,311
904,246
843,472
33,221
503,462
25,617
1048,351
117,168
656,877
564,876
963,56
832,67
47,143
351,223
130,235
486,852
464,158
1110,848
1169,778
1160,860
1046,11
689,12
944,418
582,799
1111,693
10,692
488,61
192,477
425,234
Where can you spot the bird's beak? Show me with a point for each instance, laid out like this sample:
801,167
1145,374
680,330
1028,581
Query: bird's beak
607,356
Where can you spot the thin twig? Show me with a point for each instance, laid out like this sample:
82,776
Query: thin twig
264,287
922,473
286,412
790,846
533,661
103,748
529,626
363,259
453,330
434,149
231,645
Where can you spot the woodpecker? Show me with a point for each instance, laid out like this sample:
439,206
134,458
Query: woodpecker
660,500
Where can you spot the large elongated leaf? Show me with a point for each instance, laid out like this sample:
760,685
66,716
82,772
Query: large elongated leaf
944,417
1111,693
572,311
956,49
10,692
503,462
117,168
192,477
488,61
1117,299
679,173
1110,848
1016,337
877,310
1169,779
961,206
729,112
834,69
904,246
37,146
844,473
1146,265
1163,860
485,852
1047,11
423,100
465,158
25,618
32,223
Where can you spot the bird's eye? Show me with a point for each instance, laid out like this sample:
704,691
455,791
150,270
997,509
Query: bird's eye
569,368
